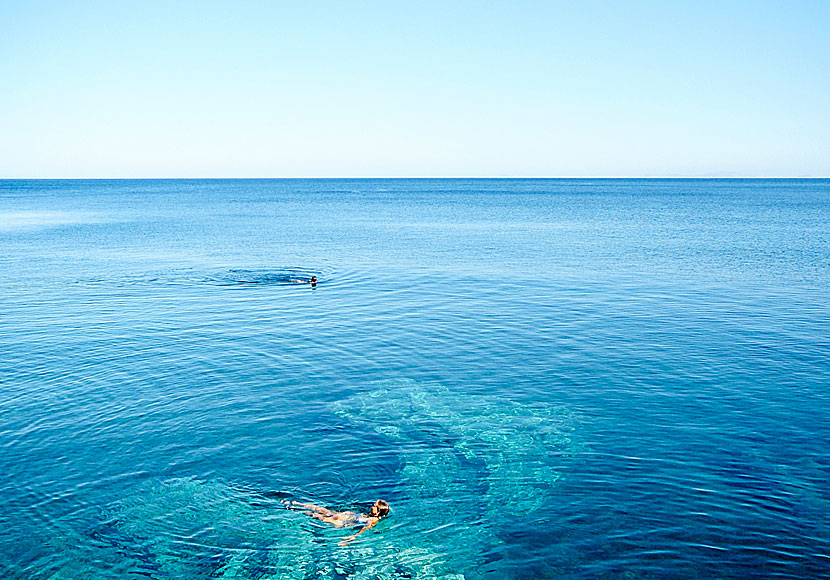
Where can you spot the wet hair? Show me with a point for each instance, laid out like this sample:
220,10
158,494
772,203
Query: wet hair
383,508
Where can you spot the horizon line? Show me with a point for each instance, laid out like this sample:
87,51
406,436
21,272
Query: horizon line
421,177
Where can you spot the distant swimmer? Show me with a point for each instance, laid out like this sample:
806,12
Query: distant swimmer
378,510
312,281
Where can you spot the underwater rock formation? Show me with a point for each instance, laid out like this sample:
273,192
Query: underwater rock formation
515,452
469,465
188,528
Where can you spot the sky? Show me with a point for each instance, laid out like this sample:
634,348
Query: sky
414,89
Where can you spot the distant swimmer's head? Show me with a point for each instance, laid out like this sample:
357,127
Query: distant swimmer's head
379,509
314,279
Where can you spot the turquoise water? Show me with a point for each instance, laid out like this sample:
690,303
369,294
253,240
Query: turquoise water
545,378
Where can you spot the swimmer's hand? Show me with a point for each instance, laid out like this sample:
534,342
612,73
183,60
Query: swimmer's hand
368,526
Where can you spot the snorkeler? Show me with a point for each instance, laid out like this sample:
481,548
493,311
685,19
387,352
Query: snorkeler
343,519
312,281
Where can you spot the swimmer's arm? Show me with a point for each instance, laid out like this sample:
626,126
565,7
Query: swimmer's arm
353,536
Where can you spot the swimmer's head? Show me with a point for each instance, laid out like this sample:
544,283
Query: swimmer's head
379,509
314,279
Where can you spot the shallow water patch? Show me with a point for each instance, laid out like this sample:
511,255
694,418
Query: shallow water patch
189,528
515,452
470,463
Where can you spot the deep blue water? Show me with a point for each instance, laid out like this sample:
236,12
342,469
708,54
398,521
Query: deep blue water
614,379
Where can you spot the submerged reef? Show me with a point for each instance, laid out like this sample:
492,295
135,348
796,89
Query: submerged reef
188,528
472,465
507,451
469,465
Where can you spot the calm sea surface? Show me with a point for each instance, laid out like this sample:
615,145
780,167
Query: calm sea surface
613,379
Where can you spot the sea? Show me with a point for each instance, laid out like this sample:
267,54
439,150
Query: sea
614,379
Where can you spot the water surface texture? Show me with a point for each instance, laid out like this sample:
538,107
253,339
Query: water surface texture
614,379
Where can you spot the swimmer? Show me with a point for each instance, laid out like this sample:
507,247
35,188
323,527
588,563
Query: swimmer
343,519
312,281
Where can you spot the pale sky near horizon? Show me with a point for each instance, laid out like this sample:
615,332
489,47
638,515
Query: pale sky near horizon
342,89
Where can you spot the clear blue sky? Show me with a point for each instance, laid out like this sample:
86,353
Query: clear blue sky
273,89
